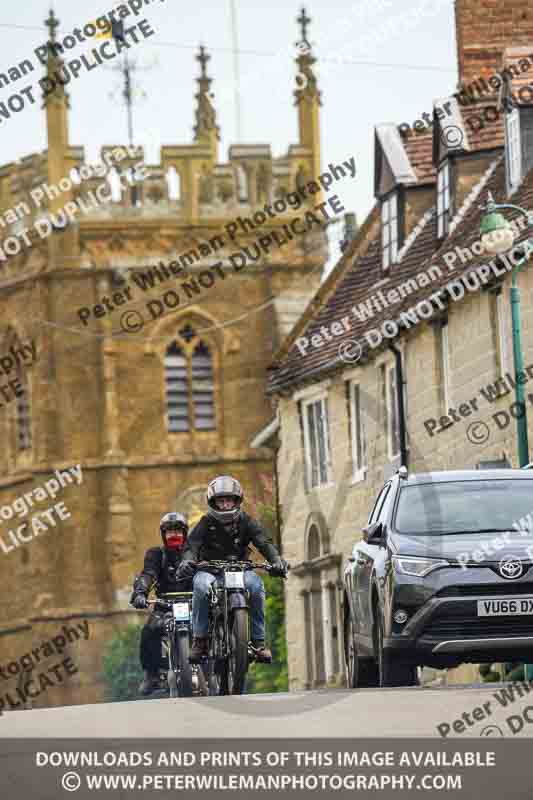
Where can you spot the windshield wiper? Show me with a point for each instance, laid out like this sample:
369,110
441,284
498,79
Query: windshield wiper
484,530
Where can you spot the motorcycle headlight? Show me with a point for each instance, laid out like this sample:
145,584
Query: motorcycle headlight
419,567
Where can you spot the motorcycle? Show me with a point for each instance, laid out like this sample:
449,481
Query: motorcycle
183,678
229,648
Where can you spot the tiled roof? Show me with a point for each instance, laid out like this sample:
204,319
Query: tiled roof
358,284
419,149
485,128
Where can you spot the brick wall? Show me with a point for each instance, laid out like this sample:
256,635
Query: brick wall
484,28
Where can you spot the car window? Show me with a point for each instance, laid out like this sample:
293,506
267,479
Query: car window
384,510
465,506
379,502
374,510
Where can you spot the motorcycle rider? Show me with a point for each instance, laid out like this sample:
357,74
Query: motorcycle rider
226,531
160,572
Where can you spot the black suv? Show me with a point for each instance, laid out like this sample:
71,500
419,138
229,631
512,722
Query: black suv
443,575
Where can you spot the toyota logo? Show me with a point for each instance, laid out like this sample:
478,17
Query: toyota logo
511,568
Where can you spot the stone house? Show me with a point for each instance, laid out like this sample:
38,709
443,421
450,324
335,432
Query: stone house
411,302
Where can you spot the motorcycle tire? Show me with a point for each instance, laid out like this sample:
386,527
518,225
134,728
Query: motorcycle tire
238,657
185,687
172,683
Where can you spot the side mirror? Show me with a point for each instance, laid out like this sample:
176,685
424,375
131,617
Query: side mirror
373,534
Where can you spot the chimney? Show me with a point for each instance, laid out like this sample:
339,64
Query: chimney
350,229
484,29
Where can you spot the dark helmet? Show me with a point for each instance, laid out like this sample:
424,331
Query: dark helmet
224,486
174,529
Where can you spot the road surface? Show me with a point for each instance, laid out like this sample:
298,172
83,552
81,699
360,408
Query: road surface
475,710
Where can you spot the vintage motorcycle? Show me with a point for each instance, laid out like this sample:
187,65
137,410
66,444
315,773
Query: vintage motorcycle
229,648
183,678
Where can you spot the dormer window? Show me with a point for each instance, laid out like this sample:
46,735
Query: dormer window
514,154
389,230
443,200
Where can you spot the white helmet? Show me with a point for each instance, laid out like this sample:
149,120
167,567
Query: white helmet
224,486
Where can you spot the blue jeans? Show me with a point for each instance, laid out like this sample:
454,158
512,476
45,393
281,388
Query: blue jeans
201,583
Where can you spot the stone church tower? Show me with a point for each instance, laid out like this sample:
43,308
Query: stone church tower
152,391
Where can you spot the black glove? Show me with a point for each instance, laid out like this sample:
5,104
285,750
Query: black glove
279,568
140,600
187,569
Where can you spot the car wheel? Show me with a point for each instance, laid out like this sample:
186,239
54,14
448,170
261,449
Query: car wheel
391,673
361,673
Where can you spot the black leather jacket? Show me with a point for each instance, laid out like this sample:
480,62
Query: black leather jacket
210,540
159,572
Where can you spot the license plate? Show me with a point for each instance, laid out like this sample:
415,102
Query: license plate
504,606
181,611
234,580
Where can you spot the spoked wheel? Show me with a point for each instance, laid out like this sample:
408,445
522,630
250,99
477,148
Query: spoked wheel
185,668
238,657
199,682
172,680
217,672
172,683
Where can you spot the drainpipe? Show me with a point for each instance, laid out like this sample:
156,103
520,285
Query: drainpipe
401,409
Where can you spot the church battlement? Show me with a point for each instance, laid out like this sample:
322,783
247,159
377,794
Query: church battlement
188,184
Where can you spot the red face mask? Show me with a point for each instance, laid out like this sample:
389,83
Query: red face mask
175,540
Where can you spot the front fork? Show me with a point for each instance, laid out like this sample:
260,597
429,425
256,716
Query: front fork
233,598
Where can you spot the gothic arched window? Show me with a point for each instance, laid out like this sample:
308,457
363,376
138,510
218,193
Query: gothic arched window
24,436
189,383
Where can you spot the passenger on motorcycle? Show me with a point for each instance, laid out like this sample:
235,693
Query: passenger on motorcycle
160,572
226,531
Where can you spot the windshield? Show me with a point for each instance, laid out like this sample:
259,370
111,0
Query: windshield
465,506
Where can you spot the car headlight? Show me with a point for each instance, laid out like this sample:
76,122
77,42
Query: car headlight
419,567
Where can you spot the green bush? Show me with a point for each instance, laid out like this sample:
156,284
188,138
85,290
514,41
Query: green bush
122,669
513,671
272,677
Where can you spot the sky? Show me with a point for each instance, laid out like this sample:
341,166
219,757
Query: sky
378,61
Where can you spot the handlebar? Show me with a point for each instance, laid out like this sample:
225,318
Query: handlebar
219,564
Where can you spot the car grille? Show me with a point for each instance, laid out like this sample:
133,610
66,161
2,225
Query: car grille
478,627
479,589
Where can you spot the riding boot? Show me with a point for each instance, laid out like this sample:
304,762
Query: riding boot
262,653
199,648
150,682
